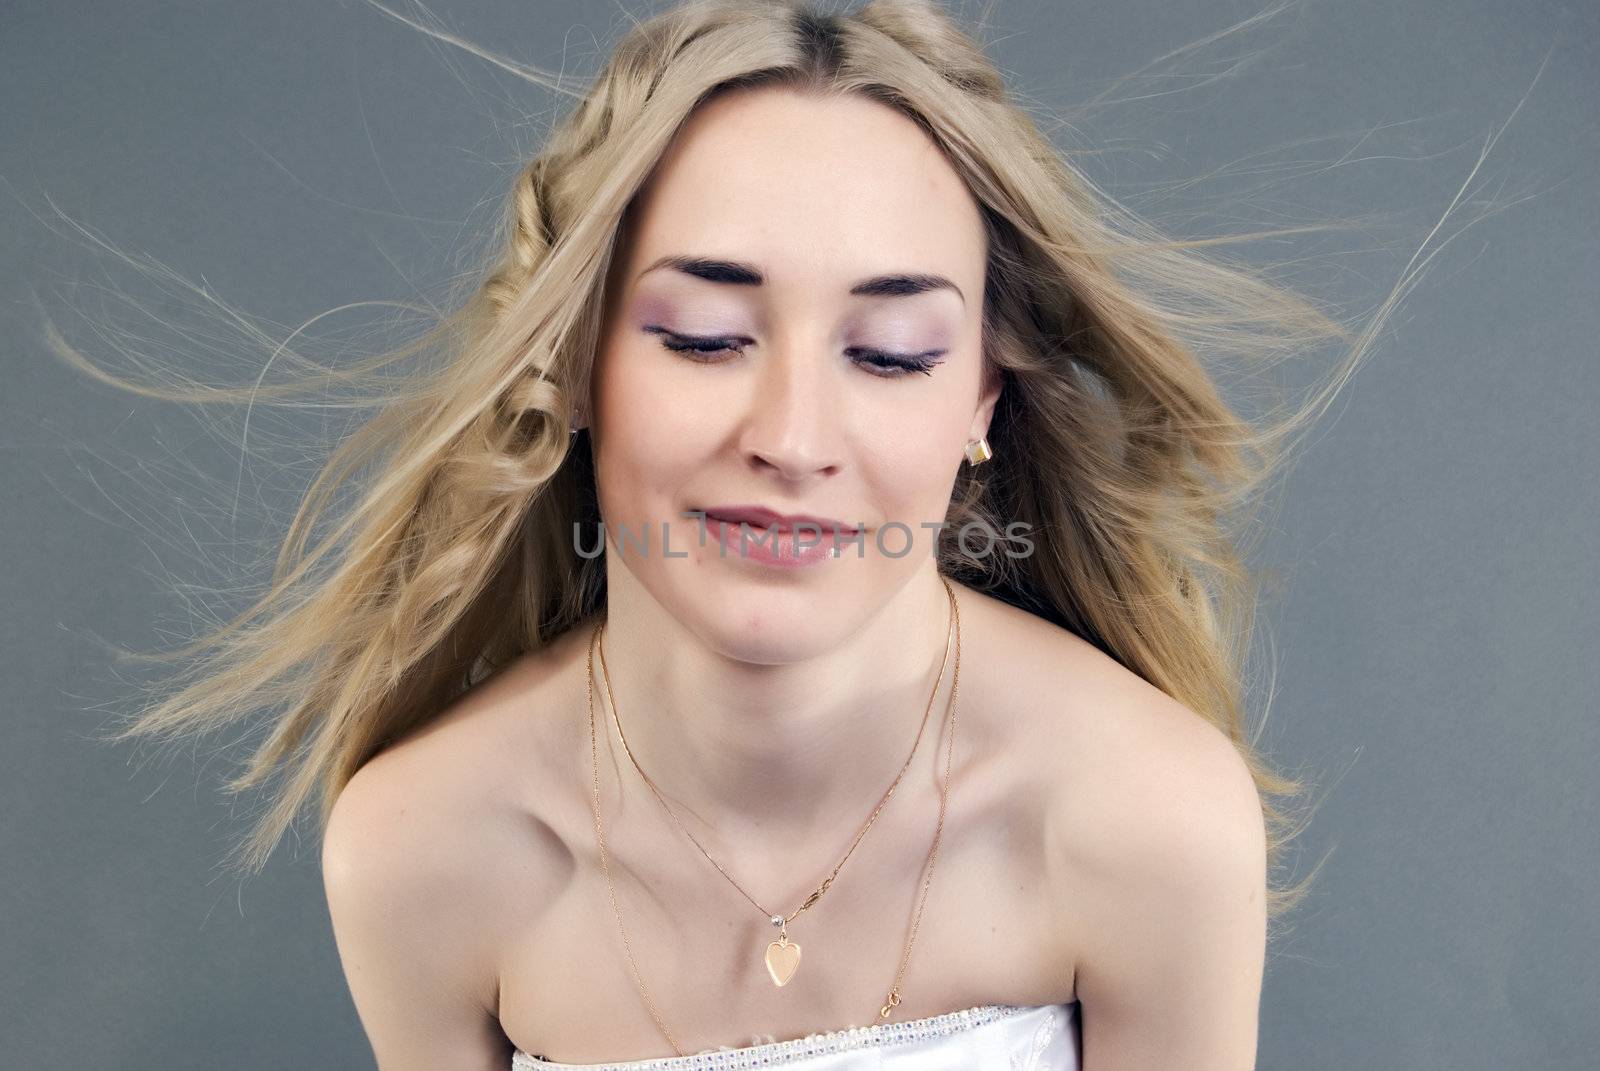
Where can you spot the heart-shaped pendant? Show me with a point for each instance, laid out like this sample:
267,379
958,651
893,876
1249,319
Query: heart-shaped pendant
783,959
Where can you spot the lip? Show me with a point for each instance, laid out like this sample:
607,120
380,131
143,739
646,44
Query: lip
763,518
766,538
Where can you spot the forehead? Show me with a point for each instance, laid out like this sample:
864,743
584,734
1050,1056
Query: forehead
810,189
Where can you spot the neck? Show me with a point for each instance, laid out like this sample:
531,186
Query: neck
791,750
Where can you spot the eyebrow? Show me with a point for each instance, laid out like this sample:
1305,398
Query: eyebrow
716,270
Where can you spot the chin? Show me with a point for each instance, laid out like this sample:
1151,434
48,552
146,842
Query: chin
768,625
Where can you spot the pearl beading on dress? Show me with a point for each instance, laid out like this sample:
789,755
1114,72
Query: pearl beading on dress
779,1052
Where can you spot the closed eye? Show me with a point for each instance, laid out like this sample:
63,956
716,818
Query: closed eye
693,344
882,363
896,364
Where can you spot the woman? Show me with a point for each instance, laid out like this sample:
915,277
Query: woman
653,711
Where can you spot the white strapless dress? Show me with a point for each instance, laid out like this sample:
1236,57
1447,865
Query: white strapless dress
991,1037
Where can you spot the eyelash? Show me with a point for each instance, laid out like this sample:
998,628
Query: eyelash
878,362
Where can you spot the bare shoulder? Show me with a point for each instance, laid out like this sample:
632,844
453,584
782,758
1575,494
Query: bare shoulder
1156,851
1122,765
398,867
1160,798
424,849
463,797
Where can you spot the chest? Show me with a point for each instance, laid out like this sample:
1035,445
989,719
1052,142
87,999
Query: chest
988,933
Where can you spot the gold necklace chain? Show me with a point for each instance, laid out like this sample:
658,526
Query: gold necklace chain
780,921
894,998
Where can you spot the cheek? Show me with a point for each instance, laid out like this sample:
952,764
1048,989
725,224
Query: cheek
651,433
906,460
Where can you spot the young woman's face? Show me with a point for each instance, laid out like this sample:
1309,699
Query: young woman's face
794,324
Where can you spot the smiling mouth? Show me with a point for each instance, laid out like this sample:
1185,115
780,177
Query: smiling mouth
761,519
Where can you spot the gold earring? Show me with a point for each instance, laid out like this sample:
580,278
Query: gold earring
978,451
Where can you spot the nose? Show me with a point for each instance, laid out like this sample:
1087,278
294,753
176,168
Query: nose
791,428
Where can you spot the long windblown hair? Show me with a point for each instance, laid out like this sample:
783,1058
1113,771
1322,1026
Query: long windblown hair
436,544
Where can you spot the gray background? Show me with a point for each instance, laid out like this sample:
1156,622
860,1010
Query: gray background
1436,636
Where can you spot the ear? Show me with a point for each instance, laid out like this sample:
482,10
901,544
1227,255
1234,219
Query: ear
983,416
578,416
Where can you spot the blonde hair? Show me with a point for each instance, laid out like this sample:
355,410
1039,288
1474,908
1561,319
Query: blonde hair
436,543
